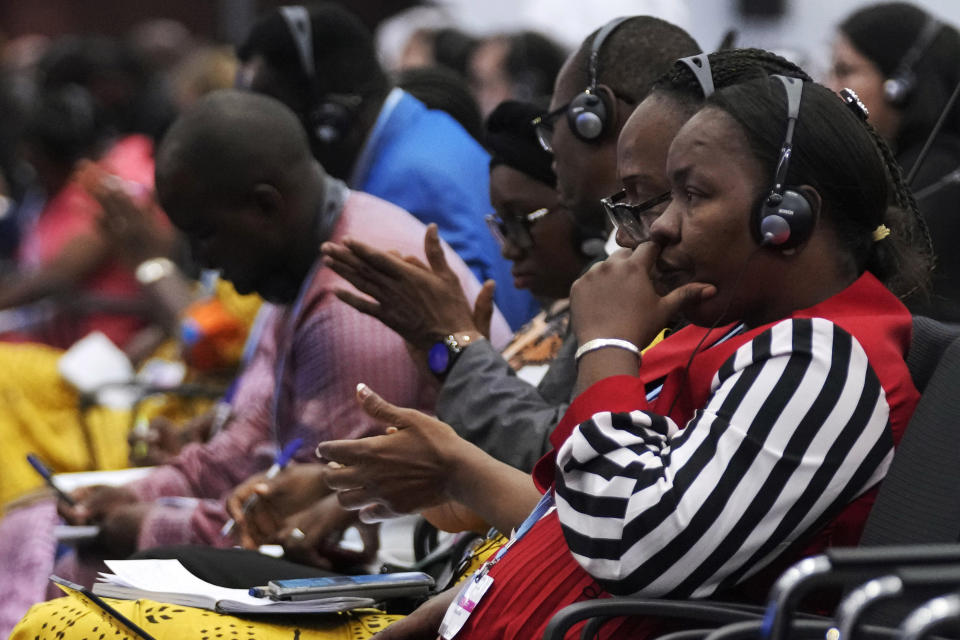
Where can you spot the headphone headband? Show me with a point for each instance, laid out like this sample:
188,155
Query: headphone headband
786,217
898,86
794,89
598,40
924,39
298,23
700,66
328,115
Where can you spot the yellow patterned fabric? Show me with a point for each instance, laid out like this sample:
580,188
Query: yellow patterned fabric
68,617
480,554
39,413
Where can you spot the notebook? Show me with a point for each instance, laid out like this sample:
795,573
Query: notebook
168,581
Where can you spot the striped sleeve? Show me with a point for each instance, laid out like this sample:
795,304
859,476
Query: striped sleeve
795,428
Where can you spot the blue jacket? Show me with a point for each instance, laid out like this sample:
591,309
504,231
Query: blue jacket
424,161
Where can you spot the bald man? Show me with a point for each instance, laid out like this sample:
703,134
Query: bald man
235,174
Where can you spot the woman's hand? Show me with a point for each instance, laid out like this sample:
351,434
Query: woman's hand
421,302
313,537
616,298
424,622
95,503
401,472
422,462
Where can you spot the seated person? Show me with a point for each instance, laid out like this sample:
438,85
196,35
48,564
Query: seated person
258,206
64,258
899,60
791,410
320,60
842,326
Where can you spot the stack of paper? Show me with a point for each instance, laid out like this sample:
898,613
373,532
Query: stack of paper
168,581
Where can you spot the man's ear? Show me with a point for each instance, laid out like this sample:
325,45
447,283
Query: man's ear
269,200
614,111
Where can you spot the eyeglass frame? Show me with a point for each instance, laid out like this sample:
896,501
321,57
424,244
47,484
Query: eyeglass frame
543,126
629,216
503,233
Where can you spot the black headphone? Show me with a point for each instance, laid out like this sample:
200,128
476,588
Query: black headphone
328,117
897,88
785,219
589,113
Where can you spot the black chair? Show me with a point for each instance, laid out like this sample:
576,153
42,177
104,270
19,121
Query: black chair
906,512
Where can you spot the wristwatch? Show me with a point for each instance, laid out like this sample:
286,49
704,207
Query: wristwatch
444,353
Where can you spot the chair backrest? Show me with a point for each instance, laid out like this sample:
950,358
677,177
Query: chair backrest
918,501
930,340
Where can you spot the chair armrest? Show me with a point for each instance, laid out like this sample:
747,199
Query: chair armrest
750,630
883,557
714,612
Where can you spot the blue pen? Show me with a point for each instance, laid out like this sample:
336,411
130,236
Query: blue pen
47,475
282,460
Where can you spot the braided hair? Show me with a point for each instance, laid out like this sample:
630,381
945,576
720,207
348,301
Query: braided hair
728,67
844,159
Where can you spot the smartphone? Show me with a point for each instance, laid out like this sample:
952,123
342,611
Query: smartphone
377,586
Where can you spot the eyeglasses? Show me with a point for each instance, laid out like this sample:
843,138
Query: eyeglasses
515,229
635,219
543,125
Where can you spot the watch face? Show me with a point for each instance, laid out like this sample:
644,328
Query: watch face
438,358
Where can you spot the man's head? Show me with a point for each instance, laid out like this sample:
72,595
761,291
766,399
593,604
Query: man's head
323,65
521,66
235,174
631,58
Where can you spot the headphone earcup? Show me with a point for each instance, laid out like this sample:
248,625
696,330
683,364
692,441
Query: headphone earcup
897,89
588,116
329,122
785,220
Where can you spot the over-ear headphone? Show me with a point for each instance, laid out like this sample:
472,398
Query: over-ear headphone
589,113
699,64
897,88
328,117
785,218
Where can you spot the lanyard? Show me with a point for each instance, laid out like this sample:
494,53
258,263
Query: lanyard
335,196
543,507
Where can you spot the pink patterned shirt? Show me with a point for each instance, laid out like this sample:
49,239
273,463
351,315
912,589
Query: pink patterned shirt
333,348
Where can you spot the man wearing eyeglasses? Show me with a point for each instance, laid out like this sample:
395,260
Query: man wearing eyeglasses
624,66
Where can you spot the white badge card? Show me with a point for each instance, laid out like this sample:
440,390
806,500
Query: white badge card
461,608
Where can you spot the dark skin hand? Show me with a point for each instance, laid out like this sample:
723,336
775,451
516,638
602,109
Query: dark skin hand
129,226
424,622
115,509
293,490
641,314
164,439
421,463
420,302
323,525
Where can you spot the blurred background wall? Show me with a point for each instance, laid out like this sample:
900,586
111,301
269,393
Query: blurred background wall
799,28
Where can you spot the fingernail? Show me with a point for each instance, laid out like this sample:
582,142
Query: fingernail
334,465
363,390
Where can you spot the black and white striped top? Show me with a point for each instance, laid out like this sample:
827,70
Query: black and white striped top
795,428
